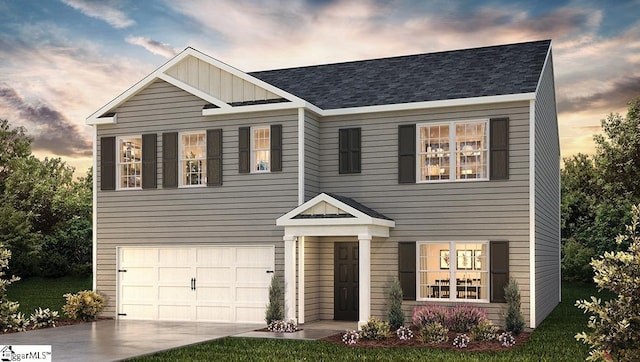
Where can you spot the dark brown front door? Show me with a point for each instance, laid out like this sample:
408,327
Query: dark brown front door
345,301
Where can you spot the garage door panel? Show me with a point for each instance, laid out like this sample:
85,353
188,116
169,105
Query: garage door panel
176,294
249,314
138,311
137,293
252,295
137,275
213,275
252,275
214,314
174,312
213,294
256,257
174,256
173,275
138,257
220,256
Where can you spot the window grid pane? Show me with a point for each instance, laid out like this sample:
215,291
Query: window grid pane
471,150
130,162
193,159
260,148
434,152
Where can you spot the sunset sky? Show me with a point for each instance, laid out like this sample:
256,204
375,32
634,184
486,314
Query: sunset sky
62,60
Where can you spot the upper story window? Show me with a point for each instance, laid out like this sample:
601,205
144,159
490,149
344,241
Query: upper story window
453,270
349,150
129,166
453,151
260,149
193,158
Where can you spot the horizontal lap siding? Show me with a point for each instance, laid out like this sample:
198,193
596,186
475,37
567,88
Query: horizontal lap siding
547,195
311,156
242,211
460,211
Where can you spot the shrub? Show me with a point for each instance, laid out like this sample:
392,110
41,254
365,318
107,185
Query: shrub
374,330
274,308
395,313
434,332
615,325
404,333
44,318
428,314
351,337
17,323
8,309
484,331
84,305
282,326
506,339
464,318
461,341
575,261
514,321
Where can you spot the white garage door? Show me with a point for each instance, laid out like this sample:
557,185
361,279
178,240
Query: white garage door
218,283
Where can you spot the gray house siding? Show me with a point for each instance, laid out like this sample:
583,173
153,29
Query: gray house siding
242,211
547,197
311,155
460,211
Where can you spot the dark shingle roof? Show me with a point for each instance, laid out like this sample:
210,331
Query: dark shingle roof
358,206
488,71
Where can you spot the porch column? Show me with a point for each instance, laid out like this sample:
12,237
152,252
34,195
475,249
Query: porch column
289,277
364,275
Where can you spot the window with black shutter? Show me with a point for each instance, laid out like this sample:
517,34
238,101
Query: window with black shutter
407,269
170,160
214,157
107,163
149,168
499,272
499,149
407,153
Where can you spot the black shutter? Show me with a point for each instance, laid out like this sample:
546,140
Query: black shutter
407,153
499,149
499,263
243,149
349,150
214,157
276,147
407,269
149,168
170,159
107,163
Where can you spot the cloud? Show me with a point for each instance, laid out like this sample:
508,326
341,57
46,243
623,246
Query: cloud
615,96
102,10
51,129
153,46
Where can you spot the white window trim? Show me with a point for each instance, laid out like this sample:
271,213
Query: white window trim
119,163
453,297
452,152
252,157
180,149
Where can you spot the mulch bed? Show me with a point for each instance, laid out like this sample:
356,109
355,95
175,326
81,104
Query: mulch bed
474,346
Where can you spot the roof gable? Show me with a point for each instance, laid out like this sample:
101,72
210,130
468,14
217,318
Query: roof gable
469,73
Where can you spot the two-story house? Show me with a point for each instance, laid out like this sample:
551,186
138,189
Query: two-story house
439,169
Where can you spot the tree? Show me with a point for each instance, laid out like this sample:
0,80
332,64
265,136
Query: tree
395,313
615,325
14,145
274,308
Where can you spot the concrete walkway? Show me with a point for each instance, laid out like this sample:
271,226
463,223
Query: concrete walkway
111,340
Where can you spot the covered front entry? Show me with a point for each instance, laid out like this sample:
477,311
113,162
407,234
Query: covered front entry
330,215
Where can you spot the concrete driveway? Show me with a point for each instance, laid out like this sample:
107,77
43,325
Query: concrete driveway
111,340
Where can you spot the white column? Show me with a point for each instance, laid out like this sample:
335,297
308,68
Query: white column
301,280
289,277
364,274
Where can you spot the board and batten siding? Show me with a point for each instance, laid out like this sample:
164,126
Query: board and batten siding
459,211
240,212
547,197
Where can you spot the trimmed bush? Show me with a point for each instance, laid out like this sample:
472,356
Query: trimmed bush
84,305
43,318
484,331
463,318
428,314
434,332
274,308
395,313
374,330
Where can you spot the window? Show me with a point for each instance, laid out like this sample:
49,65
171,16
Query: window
129,166
453,270
193,159
453,151
349,150
260,149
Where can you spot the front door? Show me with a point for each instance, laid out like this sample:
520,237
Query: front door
345,301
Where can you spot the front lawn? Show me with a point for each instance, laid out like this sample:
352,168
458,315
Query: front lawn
552,341
45,293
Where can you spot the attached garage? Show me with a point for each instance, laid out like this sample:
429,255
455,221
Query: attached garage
199,283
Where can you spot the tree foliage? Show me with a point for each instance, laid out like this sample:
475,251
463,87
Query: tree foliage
395,314
274,308
615,325
45,214
598,192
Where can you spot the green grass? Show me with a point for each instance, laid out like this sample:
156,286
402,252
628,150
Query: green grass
553,340
45,293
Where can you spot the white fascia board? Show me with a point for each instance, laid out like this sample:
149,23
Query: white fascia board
544,67
429,104
532,215
193,90
338,230
254,108
102,120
